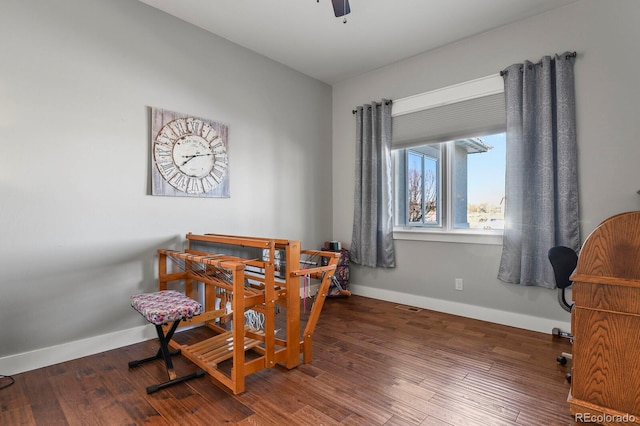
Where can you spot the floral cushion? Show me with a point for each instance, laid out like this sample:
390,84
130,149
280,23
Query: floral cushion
165,306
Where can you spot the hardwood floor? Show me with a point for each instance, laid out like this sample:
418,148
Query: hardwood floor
373,364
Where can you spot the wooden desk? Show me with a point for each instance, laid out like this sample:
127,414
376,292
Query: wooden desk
605,323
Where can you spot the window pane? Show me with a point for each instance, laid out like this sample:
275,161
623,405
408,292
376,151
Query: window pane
431,190
479,182
423,185
414,187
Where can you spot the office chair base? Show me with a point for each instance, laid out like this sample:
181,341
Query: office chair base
559,333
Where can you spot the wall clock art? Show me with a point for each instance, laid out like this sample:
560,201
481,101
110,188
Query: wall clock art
189,155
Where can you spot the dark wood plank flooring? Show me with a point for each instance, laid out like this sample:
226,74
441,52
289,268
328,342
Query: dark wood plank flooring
373,364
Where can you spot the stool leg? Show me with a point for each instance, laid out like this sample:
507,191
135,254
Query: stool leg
166,354
158,355
164,341
154,388
164,347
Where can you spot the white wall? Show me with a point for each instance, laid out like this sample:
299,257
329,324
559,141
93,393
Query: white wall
78,227
605,35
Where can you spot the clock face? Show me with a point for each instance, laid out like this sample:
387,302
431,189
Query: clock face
190,155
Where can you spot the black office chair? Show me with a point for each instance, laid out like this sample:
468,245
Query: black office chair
563,261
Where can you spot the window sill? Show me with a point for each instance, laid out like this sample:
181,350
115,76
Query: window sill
465,237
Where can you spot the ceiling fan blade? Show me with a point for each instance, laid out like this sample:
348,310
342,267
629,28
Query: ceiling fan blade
341,7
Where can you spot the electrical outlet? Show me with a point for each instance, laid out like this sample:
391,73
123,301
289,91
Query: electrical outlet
459,285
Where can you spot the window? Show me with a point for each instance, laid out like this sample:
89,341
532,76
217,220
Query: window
465,191
449,159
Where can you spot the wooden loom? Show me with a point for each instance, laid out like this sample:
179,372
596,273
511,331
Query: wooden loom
261,284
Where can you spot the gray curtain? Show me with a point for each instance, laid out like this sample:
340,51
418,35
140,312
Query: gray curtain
542,179
372,238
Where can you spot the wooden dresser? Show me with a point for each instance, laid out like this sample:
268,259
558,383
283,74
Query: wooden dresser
605,321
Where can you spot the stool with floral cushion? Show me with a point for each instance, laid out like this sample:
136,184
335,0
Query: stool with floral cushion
160,308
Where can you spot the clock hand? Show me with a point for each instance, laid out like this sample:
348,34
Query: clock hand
191,157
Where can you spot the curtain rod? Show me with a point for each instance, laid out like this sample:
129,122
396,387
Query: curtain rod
502,74
567,56
353,111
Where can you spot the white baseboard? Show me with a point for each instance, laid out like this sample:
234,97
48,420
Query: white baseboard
512,319
27,361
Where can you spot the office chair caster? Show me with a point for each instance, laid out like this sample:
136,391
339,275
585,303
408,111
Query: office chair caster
562,360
